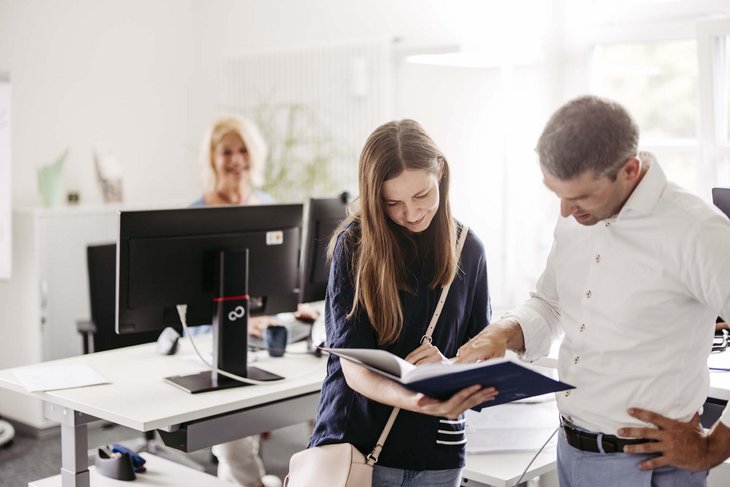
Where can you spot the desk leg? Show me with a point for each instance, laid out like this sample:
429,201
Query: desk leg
74,444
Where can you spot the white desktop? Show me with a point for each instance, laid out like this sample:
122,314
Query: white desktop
137,397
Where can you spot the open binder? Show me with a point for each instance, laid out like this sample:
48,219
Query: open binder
441,381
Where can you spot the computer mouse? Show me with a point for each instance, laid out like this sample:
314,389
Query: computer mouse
167,341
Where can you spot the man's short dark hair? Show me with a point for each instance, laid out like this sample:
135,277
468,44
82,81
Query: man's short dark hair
588,133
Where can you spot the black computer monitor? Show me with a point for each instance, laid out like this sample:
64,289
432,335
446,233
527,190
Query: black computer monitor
323,217
721,199
211,259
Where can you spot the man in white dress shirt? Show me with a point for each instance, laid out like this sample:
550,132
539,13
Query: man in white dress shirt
638,271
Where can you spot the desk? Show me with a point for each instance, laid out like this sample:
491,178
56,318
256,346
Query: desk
138,398
720,381
520,428
504,469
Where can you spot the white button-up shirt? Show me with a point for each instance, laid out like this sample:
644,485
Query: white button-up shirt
636,297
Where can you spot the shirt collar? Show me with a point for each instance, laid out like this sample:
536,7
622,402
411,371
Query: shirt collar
646,194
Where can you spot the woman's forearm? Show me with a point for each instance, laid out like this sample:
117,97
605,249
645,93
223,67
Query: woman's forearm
378,388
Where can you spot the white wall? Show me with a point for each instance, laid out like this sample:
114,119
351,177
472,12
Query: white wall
140,78
112,75
486,124
6,243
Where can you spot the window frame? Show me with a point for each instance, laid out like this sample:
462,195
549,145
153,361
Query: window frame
714,141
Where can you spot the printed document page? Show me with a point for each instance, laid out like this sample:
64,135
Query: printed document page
49,378
516,426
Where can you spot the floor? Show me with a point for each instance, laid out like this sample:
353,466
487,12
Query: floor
27,459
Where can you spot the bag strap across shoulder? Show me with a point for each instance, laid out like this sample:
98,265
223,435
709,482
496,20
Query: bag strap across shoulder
372,457
445,289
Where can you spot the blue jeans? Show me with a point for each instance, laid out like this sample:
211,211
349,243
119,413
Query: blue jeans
577,468
397,477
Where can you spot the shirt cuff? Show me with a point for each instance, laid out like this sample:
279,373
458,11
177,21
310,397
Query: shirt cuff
535,332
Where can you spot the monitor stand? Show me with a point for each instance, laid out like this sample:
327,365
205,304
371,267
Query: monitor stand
205,381
230,330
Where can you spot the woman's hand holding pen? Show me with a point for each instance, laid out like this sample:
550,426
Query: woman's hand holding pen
426,354
458,403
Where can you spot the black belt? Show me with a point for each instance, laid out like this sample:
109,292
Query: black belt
590,441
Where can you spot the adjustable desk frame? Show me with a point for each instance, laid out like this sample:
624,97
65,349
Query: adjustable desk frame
185,421
187,437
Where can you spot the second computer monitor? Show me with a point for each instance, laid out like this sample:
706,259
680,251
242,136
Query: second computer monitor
323,217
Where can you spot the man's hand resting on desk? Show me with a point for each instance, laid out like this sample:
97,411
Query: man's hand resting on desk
683,445
306,313
492,342
257,324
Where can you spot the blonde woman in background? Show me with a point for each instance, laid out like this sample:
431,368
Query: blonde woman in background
233,156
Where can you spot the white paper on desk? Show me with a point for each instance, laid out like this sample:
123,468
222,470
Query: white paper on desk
510,427
50,378
719,360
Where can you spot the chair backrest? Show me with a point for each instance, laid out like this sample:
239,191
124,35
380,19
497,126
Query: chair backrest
102,268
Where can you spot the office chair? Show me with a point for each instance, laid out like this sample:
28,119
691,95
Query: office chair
99,334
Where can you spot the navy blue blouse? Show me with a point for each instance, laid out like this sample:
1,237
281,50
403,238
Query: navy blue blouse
417,441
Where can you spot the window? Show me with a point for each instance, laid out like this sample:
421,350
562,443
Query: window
726,88
657,82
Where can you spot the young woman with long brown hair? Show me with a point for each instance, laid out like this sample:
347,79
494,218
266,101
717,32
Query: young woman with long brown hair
390,260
